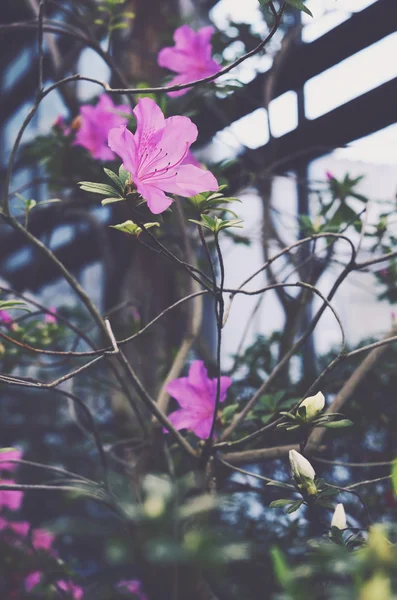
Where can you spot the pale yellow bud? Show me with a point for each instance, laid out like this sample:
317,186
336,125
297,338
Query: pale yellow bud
339,517
300,466
314,405
154,507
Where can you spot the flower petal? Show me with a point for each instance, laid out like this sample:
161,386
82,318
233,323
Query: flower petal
178,135
184,393
179,80
150,123
203,427
11,499
188,180
122,142
157,201
10,454
198,374
183,419
190,159
203,41
184,37
178,61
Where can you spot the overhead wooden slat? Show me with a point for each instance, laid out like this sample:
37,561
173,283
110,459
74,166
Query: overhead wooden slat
306,61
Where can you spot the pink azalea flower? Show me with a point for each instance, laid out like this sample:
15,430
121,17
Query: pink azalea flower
96,122
190,159
196,395
134,586
42,539
191,57
11,499
9,454
76,591
51,318
155,153
20,528
32,580
5,317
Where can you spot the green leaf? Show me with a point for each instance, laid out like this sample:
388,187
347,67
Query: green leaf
280,566
294,507
120,25
280,503
18,304
132,228
266,418
338,424
288,414
300,6
115,179
328,492
50,201
229,411
394,476
111,201
99,188
124,176
302,412
280,484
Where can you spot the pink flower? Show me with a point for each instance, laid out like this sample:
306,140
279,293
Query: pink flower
190,159
155,153
32,580
76,591
9,454
96,122
196,395
134,586
20,528
135,314
190,57
5,317
11,499
51,318
330,176
42,539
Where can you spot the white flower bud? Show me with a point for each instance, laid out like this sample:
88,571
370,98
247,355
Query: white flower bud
339,517
313,405
300,466
154,507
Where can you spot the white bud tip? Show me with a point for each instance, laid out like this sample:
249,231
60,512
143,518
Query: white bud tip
339,517
300,465
313,404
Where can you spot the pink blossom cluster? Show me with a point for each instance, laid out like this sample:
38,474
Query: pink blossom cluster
49,317
5,317
157,155
20,532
